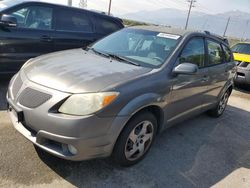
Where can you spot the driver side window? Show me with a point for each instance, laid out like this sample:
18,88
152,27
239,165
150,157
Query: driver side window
193,52
34,17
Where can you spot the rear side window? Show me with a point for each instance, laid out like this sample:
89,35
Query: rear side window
228,57
33,17
193,52
215,53
105,26
71,20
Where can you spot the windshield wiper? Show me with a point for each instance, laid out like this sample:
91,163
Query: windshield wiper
98,52
113,56
123,59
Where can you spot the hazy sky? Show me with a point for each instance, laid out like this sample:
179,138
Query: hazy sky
127,6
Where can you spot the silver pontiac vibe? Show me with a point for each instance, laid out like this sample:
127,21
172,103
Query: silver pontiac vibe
113,98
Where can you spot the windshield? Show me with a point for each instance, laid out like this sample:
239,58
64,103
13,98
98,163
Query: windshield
146,48
8,3
241,48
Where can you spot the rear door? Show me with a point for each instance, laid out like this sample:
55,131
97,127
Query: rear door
33,36
189,90
218,71
104,25
74,29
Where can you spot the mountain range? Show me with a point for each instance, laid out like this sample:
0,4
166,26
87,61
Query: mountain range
239,23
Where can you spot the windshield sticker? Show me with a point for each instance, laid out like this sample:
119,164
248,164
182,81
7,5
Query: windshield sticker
169,36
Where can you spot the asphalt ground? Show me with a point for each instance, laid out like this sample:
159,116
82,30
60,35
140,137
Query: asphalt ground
200,152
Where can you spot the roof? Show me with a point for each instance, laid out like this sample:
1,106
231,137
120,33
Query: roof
181,32
17,2
164,29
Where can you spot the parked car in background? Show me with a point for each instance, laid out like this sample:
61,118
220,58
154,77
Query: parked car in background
115,97
241,53
30,29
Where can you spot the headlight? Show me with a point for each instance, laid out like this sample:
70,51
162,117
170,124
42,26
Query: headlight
85,104
26,63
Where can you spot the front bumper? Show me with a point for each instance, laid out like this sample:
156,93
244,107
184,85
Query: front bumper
243,75
57,144
92,136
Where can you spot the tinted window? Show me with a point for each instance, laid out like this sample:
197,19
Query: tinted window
71,20
215,53
241,48
34,17
193,52
227,54
105,26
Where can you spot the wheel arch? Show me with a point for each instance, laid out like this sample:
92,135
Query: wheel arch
157,111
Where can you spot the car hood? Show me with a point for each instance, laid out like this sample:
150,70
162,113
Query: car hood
78,71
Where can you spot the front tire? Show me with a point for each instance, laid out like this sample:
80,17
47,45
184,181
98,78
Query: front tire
135,140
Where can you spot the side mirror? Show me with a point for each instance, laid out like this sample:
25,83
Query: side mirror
186,68
8,21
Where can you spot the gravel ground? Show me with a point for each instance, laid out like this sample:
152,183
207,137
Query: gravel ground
202,152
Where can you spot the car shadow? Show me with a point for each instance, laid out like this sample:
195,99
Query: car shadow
242,88
197,153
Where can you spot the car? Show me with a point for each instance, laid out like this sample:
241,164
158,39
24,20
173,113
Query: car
241,52
115,97
29,29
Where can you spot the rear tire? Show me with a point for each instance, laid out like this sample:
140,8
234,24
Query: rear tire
221,106
135,140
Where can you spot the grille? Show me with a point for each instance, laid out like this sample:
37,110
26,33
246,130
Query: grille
16,85
32,98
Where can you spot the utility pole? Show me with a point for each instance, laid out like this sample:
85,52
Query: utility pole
226,27
110,1
191,5
70,3
243,35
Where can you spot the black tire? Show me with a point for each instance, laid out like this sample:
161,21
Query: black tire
217,111
122,144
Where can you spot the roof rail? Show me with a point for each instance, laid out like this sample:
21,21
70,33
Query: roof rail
207,32
217,36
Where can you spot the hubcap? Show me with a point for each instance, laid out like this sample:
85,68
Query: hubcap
139,140
223,103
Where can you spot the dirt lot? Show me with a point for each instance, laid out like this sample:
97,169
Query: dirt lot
202,152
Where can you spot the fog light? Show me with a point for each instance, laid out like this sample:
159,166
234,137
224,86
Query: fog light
72,149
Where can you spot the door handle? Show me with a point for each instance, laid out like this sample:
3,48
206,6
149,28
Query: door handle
46,38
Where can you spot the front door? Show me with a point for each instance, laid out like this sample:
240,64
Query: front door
188,91
74,29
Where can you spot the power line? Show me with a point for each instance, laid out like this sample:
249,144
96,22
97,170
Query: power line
168,4
199,6
191,5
